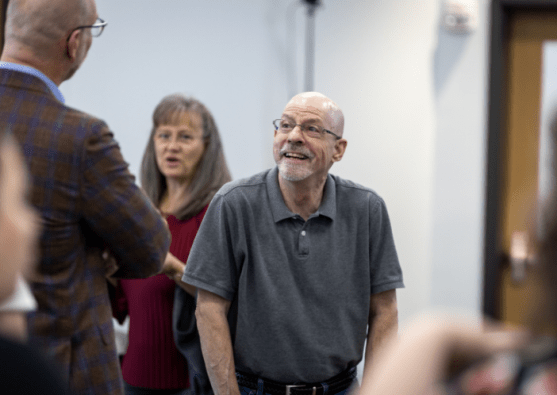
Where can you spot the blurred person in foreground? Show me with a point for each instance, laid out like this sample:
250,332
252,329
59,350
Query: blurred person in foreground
13,311
23,370
90,206
183,167
448,355
304,262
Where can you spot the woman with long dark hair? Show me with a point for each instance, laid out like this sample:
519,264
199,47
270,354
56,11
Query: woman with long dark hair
183,167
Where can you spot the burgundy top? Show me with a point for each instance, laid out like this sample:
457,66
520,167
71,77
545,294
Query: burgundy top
152,359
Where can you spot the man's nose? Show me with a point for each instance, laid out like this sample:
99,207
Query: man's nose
296,134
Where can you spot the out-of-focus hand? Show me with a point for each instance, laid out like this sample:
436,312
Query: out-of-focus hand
13,324
432,349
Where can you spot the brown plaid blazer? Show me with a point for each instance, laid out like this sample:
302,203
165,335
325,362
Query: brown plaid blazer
89,203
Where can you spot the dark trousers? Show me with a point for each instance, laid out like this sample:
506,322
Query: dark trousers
260,390
249,391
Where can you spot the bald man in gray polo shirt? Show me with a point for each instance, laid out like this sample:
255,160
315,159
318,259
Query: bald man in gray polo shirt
292,265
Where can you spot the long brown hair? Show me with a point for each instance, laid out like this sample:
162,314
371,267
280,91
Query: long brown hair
212,171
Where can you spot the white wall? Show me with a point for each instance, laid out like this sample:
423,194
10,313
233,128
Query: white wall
460,69
414,107
548,107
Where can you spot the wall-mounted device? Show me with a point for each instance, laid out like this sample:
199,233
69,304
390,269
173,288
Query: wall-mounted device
460,16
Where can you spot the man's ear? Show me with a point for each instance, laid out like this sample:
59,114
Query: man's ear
72,46
340,147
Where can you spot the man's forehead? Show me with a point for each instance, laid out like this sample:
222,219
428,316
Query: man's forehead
92,9
312,101
302,110
315,100
317,106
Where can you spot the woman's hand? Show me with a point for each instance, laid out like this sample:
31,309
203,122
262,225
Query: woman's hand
174,269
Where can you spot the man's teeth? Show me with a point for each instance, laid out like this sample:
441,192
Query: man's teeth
297,156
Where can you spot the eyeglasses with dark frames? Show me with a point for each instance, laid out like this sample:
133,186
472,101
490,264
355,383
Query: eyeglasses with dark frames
96,28
286,126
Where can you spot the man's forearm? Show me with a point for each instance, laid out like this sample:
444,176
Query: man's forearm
381,329
216,345
383,322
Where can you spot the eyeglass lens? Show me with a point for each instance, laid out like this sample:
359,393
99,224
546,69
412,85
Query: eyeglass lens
97,30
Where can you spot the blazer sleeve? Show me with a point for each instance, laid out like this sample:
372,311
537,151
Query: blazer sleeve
118,211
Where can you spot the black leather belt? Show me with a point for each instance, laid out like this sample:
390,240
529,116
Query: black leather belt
334,385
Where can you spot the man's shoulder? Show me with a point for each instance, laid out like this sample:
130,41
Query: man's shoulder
53,111
240,186
84,118
350,189
71,124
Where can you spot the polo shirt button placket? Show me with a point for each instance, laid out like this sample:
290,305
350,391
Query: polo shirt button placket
303,242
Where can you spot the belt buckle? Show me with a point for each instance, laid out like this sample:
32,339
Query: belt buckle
288,387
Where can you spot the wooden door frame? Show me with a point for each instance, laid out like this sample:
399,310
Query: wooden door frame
501,12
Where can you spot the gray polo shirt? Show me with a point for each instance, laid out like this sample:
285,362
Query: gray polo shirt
300,289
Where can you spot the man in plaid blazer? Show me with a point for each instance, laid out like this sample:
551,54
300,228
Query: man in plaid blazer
81,185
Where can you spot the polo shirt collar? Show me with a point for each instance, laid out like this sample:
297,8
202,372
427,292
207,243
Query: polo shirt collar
36,73
279,209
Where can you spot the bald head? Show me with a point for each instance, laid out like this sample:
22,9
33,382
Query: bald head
330,111
39,25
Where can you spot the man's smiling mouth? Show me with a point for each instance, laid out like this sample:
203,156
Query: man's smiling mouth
294,155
